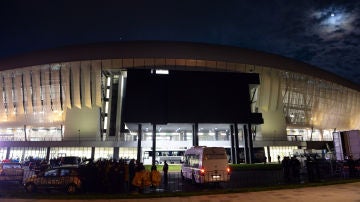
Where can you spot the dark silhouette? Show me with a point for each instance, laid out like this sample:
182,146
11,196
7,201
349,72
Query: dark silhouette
286,168
131,173
295,169
165,170
351,164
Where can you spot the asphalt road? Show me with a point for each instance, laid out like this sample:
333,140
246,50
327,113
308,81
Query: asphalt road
176,184
348,192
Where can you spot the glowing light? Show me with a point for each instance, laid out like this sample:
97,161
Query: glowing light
228,169
162,71
202,171
333,22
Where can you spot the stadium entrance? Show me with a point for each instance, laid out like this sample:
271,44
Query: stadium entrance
154,103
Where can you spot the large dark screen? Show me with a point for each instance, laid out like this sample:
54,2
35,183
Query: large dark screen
187,97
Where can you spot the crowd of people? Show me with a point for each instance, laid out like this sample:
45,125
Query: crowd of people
314,168
120,176
291,169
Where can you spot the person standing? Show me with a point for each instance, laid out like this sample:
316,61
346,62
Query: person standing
165,170
155,177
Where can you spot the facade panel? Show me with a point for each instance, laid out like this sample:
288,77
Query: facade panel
64,100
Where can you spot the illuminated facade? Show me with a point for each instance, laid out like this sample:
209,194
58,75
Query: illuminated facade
65,98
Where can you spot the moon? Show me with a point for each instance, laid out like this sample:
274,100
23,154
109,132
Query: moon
333,23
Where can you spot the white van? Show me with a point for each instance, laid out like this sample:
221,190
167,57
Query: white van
205,165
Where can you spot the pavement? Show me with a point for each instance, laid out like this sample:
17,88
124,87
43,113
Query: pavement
349,192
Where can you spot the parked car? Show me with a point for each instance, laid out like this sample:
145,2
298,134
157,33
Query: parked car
11,172
66,179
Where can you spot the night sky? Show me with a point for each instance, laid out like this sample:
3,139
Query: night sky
322,33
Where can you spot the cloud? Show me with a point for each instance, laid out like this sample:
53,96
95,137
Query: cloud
329,42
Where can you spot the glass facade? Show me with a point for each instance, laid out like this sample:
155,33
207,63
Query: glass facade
35,102
25,153
281,151
128,153
83,152
104,153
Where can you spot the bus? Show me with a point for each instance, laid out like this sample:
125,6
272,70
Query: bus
205,165
170,156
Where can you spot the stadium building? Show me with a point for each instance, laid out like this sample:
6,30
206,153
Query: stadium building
131,99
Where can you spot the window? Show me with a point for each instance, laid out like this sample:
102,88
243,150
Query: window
51,173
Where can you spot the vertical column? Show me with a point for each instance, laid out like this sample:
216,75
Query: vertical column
116,153
251,147
9,95
62,132
236,143
7,152
36,92
153,144
47,154
19,102
195,134
23,155
85,70
55,89
75,84
268,154
25,135
45,89
139,142
93,153
96,82
28,92
121,87
216,135
65,85
246,144
232,141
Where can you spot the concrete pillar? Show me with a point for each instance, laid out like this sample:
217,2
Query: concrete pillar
195,134
139,142
93,153
116,153
153,144
251,147
7,152
232,142
246,145
47,154
236,142
268,153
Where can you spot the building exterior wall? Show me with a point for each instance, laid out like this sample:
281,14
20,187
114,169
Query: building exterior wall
65,100
304,101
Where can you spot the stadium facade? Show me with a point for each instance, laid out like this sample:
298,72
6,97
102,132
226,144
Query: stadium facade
69,101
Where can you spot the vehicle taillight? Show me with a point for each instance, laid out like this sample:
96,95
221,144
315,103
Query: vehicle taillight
202,171
228,170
